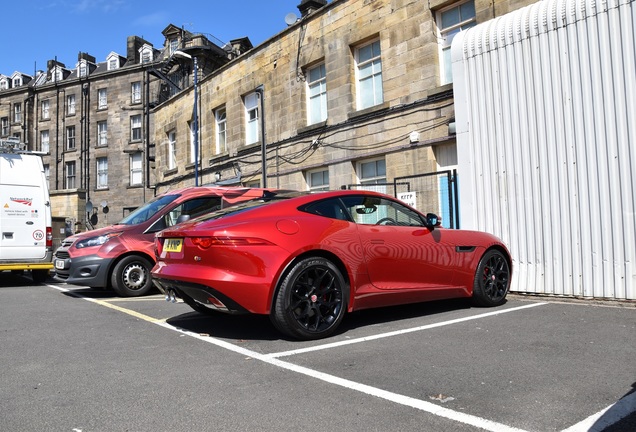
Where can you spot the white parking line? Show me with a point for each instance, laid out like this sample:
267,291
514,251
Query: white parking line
594,423
355,386
398,332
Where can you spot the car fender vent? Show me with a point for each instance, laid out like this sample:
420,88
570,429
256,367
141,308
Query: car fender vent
464,248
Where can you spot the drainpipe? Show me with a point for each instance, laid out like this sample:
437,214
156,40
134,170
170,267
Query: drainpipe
261,96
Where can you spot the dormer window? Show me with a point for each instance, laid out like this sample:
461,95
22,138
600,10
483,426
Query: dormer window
57,74
83,69
113,61
174,45
17,81
146,54
4,84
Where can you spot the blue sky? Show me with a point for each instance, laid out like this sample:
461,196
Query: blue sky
37,31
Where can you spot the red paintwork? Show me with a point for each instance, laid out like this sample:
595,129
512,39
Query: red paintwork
384,265
135,240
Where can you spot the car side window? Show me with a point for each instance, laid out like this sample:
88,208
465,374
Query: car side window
371,210
330,208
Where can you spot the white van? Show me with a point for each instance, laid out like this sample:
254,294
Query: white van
26,238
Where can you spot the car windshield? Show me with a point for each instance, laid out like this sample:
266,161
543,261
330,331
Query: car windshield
148,210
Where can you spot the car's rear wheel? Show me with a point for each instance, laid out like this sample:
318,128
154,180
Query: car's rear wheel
131,276
492,279
311,301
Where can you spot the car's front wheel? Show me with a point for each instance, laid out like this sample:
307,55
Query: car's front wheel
131,276
311,301
492,279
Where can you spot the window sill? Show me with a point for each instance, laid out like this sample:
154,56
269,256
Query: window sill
312,127
170,172
363,112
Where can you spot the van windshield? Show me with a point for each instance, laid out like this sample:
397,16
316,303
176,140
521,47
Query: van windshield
148,210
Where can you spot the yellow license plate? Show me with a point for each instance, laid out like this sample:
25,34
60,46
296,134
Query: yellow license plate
173,245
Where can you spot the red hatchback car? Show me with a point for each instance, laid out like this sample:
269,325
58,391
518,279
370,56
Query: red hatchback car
306,259
120,256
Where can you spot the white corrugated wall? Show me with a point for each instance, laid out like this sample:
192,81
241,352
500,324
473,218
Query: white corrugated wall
545,105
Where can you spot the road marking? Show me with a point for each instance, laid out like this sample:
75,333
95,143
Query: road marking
106,304
607,417
594,423
399,332
352,385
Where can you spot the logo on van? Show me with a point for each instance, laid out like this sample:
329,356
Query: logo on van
25,201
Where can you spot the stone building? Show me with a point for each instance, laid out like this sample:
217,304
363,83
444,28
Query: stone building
351,94
91,122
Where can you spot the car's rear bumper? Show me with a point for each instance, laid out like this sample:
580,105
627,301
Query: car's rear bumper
89,270
201,293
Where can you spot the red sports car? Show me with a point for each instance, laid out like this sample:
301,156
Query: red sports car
306,259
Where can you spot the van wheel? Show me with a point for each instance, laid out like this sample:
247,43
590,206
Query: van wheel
131,276
39,276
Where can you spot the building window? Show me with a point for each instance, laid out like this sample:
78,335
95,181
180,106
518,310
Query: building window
450,21
221,131
174,45
70,138
17,82
57,74
4,126
113,63
145,53
369,75
135,92
4,84
44,141
318,180
17,112
83,69
172,150
102,133
102,173
135,128
317,94
373,172
135,169
45,110
102,102
251,118
70,105
47,171
69,177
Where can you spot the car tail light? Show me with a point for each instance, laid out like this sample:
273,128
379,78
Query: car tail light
207,242
49,237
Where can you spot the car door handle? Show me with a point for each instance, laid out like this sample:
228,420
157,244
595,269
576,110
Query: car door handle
29,223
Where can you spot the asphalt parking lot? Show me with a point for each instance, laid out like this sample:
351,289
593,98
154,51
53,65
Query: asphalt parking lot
81,360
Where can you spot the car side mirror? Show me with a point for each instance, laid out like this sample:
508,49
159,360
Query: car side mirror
432,220
183,218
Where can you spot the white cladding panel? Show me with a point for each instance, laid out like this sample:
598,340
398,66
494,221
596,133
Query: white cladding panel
545,106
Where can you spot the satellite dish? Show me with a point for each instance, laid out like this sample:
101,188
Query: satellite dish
104,203
290,18
89,207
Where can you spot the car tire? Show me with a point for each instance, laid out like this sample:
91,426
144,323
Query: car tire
311,300
39,276
492,279
131,276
